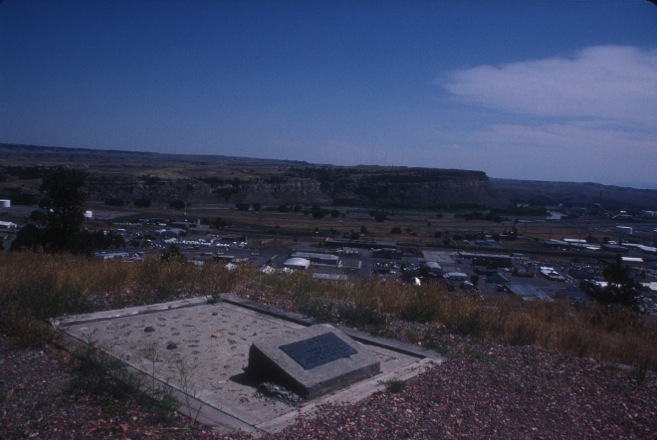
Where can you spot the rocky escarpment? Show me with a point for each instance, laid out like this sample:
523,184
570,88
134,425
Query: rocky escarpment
415,188
156,189
372,186
281,191
389,187
159,178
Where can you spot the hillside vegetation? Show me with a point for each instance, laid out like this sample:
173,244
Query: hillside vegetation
37,287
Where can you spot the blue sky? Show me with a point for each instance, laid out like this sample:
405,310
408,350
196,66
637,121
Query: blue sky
524,89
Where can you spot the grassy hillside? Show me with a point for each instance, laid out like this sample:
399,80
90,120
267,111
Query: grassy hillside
37,287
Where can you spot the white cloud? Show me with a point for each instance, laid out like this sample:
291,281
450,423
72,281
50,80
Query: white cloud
591,116
569,151
614,83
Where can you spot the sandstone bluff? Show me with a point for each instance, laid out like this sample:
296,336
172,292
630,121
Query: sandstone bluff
211,179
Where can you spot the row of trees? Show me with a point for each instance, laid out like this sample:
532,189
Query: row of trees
142,202
145,202
315,211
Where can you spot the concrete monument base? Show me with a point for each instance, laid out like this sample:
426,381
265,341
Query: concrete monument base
198,351
312,361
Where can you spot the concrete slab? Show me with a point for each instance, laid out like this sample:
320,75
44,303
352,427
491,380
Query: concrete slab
198,351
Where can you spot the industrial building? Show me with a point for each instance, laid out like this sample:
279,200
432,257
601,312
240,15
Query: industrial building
318,258
296,263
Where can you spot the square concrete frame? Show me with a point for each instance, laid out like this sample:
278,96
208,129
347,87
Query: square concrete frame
216,399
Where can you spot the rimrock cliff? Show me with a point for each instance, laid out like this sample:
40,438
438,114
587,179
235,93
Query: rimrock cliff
162,178
372,186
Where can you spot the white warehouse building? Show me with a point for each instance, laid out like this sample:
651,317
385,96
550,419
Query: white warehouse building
296,263
8,225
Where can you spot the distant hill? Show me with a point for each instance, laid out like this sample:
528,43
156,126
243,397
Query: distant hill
205,179
130,175
575,194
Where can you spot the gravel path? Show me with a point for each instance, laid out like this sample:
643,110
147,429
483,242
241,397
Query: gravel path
483,391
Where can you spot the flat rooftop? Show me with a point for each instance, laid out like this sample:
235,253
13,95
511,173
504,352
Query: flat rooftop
197,350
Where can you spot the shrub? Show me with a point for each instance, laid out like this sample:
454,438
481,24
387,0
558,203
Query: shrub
177,204
33,299
114,201
143,202
318,212
40,297
418,312
394,385
362,316
380,216
219,223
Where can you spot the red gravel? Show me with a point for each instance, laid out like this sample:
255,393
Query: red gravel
483,391
500,392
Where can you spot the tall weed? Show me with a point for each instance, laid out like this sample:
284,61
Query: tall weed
33,293
37,286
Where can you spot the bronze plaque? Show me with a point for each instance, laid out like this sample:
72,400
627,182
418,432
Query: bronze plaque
318,350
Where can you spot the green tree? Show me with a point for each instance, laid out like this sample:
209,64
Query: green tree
219,223
64,205
143,202
318,212
380,216
177,204
172,253
64,213
29,237
621,288
114,201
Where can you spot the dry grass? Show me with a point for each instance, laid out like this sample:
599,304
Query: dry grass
36,287
614,335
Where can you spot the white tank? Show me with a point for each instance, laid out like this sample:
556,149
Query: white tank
628,230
